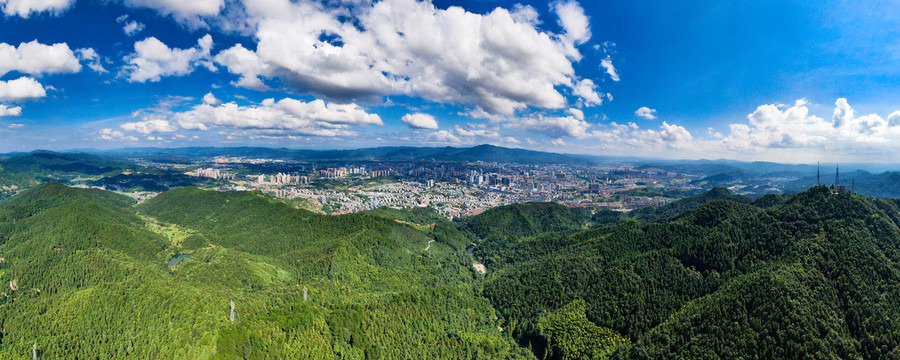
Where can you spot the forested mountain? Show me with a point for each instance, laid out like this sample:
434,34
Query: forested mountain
87,274
816,276
22,171
522,220
653,213
884,185
88,278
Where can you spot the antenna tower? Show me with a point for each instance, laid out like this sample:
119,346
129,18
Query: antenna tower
818,174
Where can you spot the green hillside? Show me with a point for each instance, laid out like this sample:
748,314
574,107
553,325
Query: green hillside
87,274
815,277
92,281
529,219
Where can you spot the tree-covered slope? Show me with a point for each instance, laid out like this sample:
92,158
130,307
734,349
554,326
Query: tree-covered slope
85,276
528,219
675,208
815,276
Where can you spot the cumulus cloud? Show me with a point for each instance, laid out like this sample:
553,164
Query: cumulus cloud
573,21
499,62
114,135
607,65
792,127
286,117
210,99
35,58
554,126
586,91
150,126
190,12
6,110
239,60
894,118
646,113
23,88
153,59
91,59
444,136
420,121
482,133
131,28
25,8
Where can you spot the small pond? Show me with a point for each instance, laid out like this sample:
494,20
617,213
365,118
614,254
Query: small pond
178,258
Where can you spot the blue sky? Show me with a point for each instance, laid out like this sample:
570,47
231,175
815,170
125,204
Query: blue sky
788,81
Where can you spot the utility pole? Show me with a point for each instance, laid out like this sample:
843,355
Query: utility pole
34,351
232,311
304,293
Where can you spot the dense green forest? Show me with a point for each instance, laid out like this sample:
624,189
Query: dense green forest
813,276
87,274
90,280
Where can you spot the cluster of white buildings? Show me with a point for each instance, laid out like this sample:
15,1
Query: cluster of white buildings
281,179
215,174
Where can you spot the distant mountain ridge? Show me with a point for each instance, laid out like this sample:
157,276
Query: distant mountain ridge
488,153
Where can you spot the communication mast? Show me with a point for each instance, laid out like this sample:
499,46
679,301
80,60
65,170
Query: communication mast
818,173
837,175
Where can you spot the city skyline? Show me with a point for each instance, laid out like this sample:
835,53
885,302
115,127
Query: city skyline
787,82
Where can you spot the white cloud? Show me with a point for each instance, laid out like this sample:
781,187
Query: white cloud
482,133
769,126
16,126
772,132
420,121
189,12
150,126
573,21
894,118
586,90
35,58
239,60
287,117
646,113
114,135
22,88
91,59
24,8
675,136
499,62
210,99
525,14
153,59
780,127
554,126
444,136
843,113
578,114
6,110
610,69
131,28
